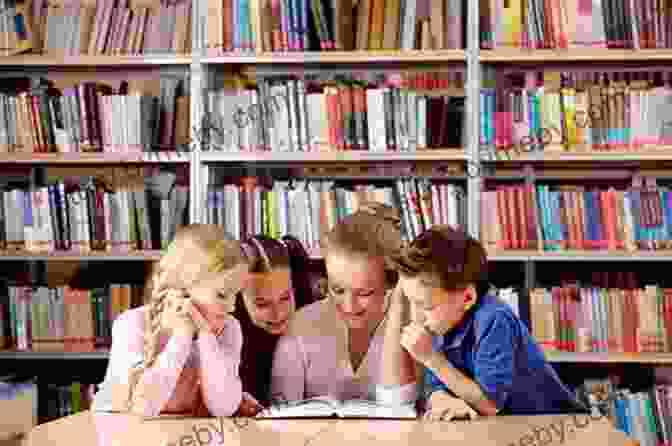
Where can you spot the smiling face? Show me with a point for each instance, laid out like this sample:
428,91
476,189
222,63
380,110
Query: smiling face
357,284
269,300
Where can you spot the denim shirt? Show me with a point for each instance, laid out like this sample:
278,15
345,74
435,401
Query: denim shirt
494,348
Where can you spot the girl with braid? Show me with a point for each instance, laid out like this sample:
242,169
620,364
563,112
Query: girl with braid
180,352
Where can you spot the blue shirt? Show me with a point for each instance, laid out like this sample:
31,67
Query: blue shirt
494,348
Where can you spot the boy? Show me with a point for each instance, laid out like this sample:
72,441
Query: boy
480,358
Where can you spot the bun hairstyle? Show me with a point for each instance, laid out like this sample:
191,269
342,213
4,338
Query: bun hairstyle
374,230
196,250
264,254
451,256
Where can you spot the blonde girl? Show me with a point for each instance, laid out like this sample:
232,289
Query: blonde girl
180,352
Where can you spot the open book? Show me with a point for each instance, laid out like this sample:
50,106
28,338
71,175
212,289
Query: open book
327,407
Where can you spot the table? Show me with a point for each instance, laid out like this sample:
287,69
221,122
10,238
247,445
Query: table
91,429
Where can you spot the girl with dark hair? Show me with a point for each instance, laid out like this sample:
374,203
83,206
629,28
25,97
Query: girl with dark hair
279,284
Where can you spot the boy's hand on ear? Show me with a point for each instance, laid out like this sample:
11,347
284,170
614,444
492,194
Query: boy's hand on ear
418,342
444,407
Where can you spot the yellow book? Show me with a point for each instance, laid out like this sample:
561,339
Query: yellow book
516,22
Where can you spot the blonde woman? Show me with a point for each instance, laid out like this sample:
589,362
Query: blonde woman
180,352
347,346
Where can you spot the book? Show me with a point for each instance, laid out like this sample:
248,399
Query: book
327,407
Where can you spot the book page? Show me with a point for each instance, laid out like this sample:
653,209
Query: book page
373,409
310,408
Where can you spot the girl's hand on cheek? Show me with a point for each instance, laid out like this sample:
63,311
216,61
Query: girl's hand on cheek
177,317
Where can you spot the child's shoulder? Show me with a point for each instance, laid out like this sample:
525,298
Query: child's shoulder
132,318
492,311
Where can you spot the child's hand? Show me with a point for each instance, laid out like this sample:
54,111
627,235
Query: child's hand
418,342
444,407
249,406
201,323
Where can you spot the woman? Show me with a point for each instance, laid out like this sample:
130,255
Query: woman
279,284
180,352
347,346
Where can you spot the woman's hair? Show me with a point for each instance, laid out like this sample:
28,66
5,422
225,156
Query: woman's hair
265,254
196,249
374,230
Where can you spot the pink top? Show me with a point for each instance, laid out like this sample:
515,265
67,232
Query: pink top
183,366
313,360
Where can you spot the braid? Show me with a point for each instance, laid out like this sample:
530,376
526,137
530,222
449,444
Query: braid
152,332
170,279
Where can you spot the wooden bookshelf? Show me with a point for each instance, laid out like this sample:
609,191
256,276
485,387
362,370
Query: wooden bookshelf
663,154
36,60
78,257
55,354
521,55
663,255
345,57
334,156
590,357
93,158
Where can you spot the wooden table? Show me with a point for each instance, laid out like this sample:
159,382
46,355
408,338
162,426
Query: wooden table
89,429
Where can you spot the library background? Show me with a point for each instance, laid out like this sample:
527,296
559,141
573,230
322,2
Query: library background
539,126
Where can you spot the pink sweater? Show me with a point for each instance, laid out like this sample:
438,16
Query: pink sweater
312,360
209,363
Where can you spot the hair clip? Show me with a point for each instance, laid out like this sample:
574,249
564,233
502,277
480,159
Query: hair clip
262,251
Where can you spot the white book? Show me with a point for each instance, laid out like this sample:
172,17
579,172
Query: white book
327,407
375,115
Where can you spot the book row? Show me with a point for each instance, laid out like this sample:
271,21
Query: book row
93,117
62,318
579,117
15,31
85,214
292,116
306,209
60,400
575,23
585,318
552,218
112,27
302,25
643,415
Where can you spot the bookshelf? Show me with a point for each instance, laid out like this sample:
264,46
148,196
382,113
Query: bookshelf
203,69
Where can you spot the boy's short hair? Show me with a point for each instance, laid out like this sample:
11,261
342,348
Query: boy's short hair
452,256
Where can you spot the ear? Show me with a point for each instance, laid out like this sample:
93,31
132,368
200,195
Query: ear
470,297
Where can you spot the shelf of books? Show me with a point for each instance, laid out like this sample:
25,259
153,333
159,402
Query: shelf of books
576,53
93,60
121,157
330,155
574,144
340,57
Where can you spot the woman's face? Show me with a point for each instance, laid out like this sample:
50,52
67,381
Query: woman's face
269,300
357,285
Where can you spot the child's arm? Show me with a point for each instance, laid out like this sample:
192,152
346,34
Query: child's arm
494,366
156,384
288,376
462,386
220,358
398,370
